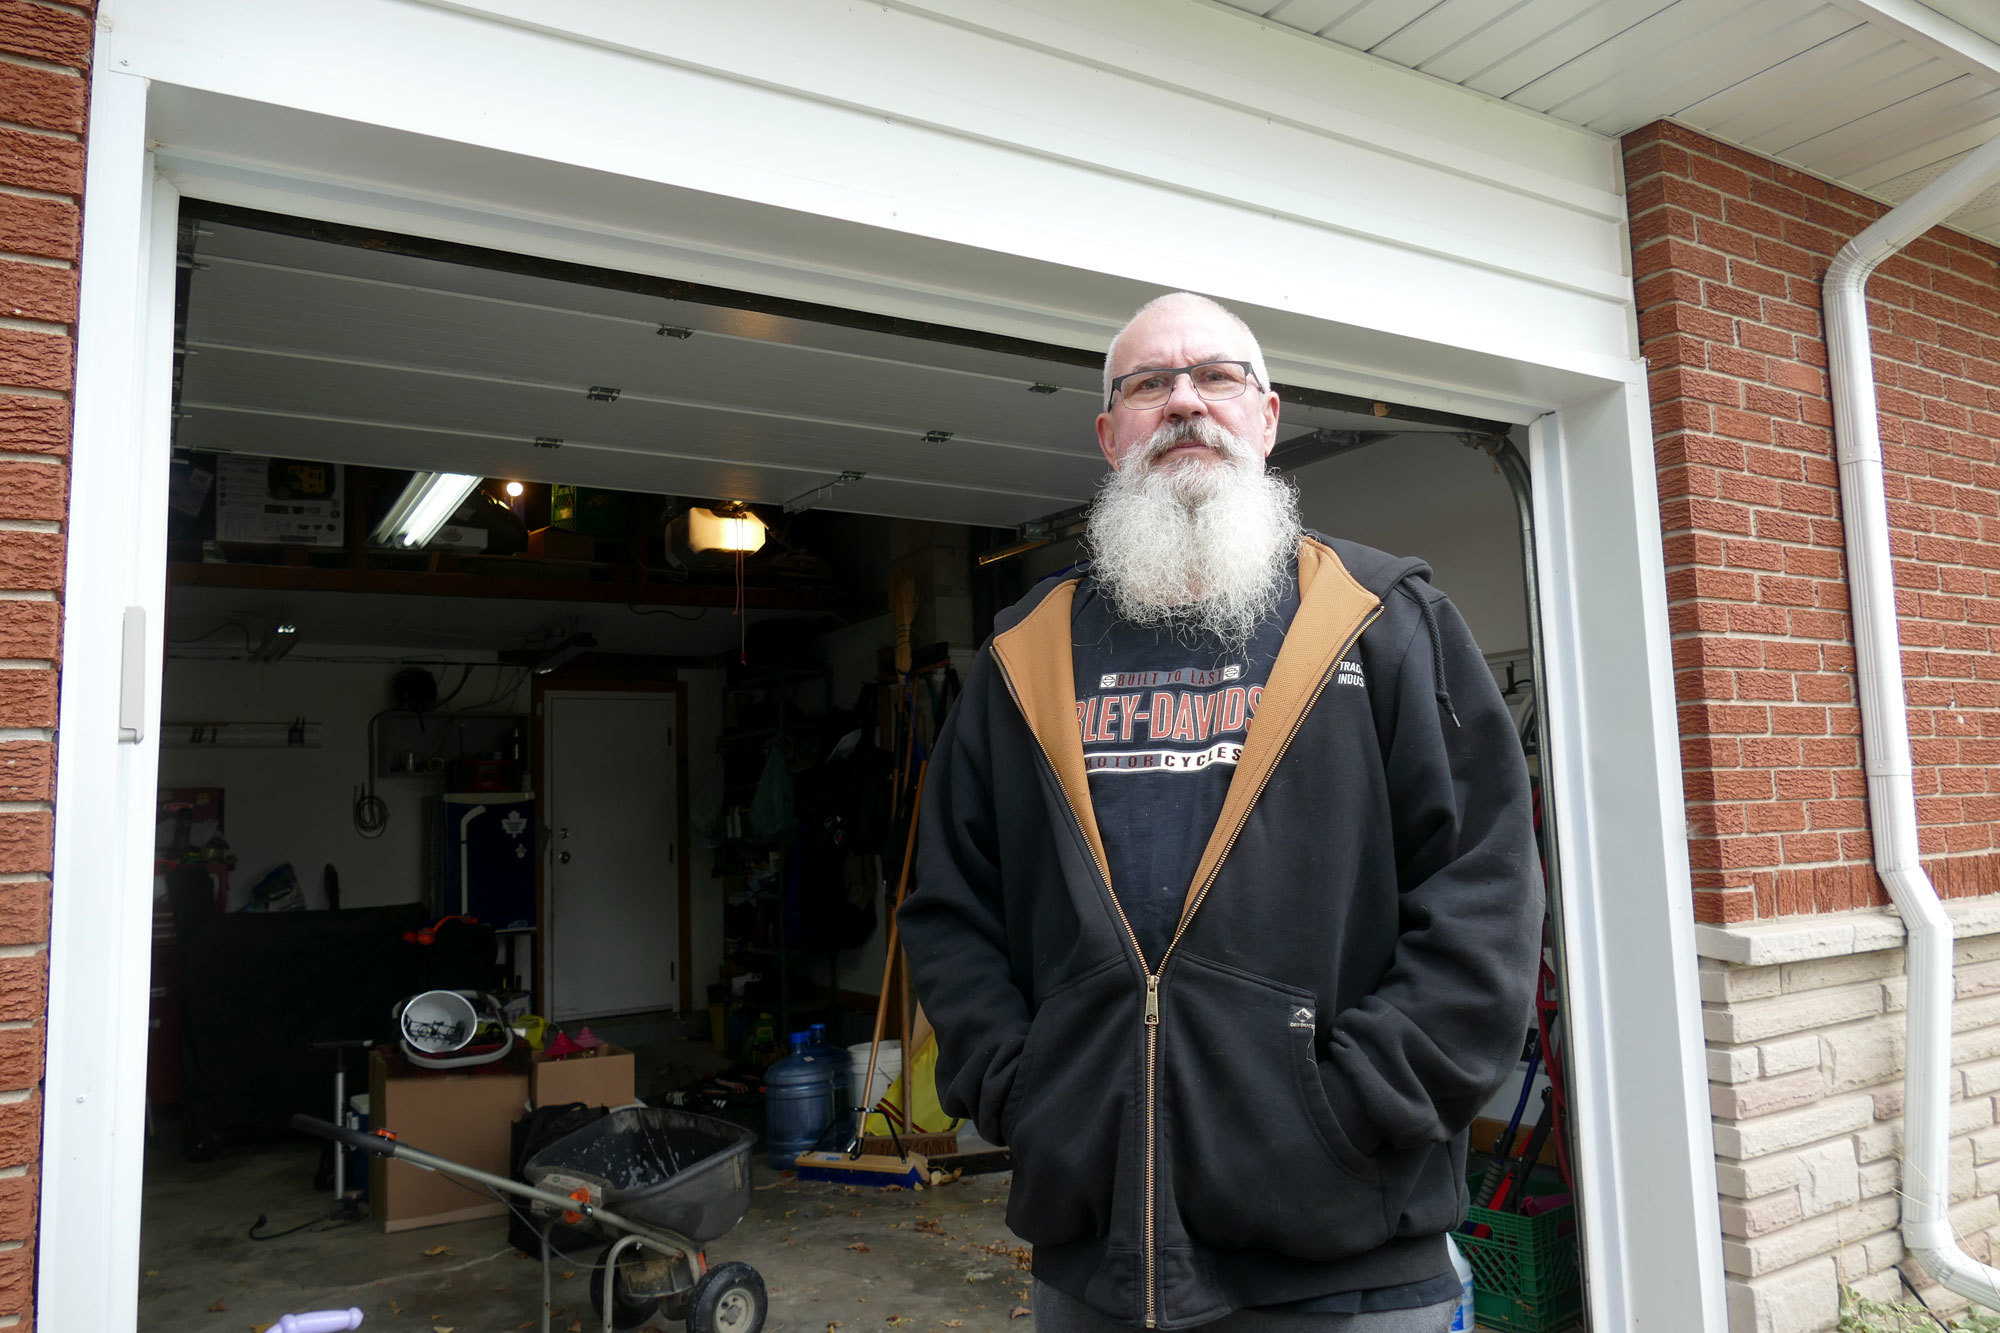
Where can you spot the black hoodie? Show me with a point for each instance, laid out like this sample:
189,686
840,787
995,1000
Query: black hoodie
1277,1108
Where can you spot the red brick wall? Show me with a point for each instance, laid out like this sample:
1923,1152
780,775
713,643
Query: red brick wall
44,64
1728,253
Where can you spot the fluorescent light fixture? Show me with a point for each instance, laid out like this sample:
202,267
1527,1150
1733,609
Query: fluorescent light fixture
711,531
425,504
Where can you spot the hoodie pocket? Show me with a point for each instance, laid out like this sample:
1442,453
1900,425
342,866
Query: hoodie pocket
1071,1107
1258,1160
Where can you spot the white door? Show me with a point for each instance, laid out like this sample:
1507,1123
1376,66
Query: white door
613,866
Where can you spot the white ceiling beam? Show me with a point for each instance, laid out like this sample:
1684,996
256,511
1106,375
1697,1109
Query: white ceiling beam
1928,30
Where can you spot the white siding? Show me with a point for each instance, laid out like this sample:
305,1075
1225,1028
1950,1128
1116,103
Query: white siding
1112,139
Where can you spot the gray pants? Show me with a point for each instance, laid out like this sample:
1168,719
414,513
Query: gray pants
1057,1313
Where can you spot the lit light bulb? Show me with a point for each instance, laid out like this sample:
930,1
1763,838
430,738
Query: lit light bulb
515,490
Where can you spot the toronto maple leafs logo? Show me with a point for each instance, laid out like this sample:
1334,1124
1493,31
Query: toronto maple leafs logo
515,824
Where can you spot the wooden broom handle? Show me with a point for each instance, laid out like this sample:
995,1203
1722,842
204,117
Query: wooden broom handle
893,943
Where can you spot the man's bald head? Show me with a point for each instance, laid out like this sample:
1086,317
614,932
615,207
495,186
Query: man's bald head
1174,303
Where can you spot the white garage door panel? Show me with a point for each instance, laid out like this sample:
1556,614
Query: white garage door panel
782,409
281,310
376,445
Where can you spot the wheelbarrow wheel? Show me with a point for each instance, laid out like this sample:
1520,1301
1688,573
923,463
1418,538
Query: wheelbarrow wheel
728,1299
628,1310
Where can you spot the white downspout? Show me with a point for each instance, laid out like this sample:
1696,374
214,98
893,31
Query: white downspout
1885,729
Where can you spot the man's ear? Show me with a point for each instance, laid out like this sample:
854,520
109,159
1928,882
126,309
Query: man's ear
1270,423
1107,438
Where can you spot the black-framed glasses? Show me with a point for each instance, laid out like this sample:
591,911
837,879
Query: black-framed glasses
1213,380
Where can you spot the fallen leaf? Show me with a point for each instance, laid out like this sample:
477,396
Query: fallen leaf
576,1326
152,1272
393,1307
262,1328
441,1328
954,1323
525,1323
859,1247
219,1306
437,1251
1020,1312
568,1273
895,1319
831,1325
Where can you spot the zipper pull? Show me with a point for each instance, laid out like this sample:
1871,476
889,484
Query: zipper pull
1152,1001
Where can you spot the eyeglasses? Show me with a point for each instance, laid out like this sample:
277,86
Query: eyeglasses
1213,380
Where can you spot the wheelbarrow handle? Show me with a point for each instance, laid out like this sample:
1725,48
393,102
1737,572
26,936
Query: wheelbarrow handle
353,1138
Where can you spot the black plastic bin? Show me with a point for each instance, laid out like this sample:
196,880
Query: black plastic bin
661,1167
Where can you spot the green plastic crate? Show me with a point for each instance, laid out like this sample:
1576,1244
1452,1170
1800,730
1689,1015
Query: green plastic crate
1525,1277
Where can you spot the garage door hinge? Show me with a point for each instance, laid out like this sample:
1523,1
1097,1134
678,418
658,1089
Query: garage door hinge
132,678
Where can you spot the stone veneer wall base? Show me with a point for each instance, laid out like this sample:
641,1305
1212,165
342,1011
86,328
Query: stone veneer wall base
1804,1022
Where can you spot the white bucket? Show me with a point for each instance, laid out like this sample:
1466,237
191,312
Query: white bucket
888,1068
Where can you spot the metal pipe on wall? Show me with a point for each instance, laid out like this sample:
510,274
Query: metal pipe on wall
1885,732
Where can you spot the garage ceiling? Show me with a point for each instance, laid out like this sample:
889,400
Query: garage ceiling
305,348
1856,91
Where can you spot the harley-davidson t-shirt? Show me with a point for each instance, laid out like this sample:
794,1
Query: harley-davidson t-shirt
1164,714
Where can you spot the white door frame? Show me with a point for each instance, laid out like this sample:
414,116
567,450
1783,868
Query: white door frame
100,922
1653,1253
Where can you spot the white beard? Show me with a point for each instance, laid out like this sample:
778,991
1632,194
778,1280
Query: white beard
1201,545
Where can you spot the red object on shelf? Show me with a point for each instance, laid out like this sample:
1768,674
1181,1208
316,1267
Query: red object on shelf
484,775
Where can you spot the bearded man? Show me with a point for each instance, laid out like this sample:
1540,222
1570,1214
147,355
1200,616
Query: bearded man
1228,904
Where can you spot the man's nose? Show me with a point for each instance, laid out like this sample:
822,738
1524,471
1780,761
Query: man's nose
1183,402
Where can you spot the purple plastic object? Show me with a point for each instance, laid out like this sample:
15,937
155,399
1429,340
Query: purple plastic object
319,1321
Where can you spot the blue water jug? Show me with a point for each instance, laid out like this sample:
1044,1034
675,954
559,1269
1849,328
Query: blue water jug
843,1068
798,1103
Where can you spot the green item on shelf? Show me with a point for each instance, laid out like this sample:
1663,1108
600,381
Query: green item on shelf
772,814
587,511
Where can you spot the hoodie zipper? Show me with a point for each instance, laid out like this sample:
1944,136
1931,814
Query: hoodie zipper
1153,978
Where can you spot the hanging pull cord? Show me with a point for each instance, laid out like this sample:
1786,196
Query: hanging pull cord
1440,688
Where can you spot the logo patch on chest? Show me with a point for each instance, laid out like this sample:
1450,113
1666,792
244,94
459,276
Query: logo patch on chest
1350,673
1302,1017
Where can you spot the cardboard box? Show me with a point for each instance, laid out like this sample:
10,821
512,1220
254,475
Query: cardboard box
467,1116
601,1077
557,544
272,501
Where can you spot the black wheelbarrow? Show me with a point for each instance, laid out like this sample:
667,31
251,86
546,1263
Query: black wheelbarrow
657,1183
